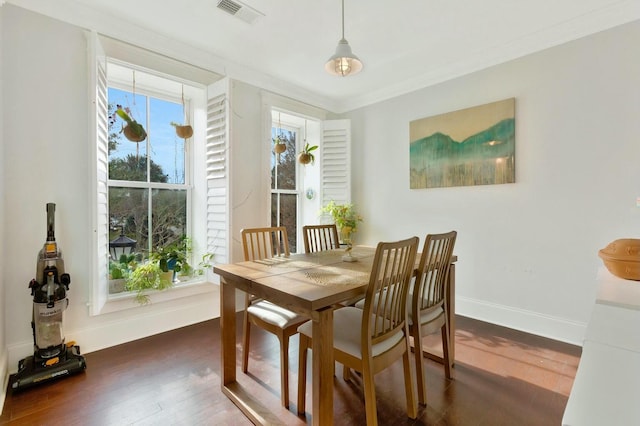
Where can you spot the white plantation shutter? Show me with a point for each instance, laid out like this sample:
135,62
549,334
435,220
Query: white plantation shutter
100,161
335,162
217,171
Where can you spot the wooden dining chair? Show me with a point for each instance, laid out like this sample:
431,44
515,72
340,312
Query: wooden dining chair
371,339
320,237
428,305
259,244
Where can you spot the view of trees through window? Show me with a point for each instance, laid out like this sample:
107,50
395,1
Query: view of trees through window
284,194
147,180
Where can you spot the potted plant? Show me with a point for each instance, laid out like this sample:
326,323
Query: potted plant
346,219
184,131
279,146
120,271
160,271
205,263
147,277
133,130
306,156
173,257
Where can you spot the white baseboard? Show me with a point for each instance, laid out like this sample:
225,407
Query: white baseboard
548,326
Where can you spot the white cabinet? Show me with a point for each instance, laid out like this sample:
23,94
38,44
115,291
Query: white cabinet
606,389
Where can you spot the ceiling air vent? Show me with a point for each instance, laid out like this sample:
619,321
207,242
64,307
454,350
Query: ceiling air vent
240,10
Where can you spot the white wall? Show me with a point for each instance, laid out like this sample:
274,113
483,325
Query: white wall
527,251
46,159
3,318
250,180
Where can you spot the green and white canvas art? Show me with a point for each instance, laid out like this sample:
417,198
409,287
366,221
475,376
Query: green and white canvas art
473,146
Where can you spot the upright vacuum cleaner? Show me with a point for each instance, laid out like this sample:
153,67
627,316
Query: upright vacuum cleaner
52,358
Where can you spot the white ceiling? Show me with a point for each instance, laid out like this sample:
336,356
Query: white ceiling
404,44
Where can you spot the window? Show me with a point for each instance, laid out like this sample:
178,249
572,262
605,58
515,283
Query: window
149,188
284,182
298,192
159,189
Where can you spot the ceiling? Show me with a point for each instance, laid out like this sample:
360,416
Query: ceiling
404,45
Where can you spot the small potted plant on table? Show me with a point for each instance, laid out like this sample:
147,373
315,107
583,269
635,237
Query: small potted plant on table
346,219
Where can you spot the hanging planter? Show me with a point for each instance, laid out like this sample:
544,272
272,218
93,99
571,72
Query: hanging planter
278,146
184,131
133,130
306,156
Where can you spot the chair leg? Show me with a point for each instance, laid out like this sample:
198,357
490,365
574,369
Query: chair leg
246,331
446,359
412,407
302,373
284,369
417,354
369,395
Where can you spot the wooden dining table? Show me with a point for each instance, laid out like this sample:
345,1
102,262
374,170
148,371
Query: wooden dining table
312,284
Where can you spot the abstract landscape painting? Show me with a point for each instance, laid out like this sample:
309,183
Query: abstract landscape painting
473,146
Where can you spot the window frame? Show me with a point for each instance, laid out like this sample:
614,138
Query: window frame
297,192
100,301
188,152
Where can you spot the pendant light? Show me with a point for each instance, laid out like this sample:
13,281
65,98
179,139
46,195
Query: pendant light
343,62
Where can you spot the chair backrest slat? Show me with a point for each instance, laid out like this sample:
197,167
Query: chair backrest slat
386,297
264,243
433,271
320,238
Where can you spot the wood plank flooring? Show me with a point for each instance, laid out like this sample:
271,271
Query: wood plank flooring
501,377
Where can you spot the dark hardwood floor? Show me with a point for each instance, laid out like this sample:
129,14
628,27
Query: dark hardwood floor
501,377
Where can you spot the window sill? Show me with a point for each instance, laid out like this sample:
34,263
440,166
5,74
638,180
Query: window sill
126,300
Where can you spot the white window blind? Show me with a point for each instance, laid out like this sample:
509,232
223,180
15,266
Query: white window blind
99,172
217,172
335,163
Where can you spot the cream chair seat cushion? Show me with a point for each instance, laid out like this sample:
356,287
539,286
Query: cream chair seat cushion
274,314
347,324
427,316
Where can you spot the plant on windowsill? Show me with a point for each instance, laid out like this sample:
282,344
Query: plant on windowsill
205,263
306,156
147,277
160,272
120,271
174,257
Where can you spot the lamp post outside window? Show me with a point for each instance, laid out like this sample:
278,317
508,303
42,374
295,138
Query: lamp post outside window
121,245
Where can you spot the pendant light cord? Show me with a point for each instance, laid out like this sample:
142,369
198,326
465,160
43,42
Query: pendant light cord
343,19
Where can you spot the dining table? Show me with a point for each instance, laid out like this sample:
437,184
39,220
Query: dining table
312,284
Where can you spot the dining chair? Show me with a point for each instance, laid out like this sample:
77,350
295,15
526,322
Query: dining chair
260,244
371,339
428,305
320,237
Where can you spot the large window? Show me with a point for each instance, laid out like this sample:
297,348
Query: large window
284,182
162,187
149,189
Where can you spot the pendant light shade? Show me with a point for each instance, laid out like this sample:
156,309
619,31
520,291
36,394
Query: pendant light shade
343,62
